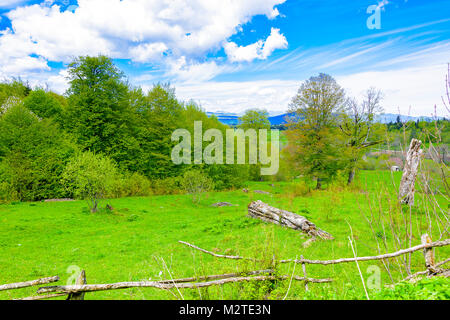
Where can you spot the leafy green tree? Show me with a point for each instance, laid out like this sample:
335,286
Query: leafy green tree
160,114
44,104
11,93
99,112
91,177
254,119
33,154
315,146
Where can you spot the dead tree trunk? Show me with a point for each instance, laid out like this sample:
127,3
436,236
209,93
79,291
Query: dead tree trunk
407,186
263,211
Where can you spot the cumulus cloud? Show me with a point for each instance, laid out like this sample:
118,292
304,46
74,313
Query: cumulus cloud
191,71
141,30
259,50
148,52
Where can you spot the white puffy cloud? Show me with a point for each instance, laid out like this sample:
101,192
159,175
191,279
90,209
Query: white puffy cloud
192,71
259,50
141,30
148,52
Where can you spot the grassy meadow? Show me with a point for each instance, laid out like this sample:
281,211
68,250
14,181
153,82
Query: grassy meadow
139,240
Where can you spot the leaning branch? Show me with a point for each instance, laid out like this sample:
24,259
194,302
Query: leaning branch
337,261
217,277
215,254
370,258
26,284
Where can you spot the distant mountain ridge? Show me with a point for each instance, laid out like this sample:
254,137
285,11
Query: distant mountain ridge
232,119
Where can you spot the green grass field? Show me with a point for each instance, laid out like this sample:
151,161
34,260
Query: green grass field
141,235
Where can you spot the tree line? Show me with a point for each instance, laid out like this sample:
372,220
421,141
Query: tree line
102,138
107,138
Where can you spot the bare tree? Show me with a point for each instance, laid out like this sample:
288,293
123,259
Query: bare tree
357,123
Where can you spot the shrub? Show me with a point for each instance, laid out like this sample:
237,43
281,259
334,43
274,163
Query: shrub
91,177
136,184
227,177
196,183
301,189
172,185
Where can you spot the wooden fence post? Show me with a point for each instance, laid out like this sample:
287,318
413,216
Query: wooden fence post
80,281
429,255
304,274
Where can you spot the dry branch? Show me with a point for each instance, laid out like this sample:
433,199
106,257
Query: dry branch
215,254
50,296
370,258
439,272
337,261
216,277
26,284
167,286
263,211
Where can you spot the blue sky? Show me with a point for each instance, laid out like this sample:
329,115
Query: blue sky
235,55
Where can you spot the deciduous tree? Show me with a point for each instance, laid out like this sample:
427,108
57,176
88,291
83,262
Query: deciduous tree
315,147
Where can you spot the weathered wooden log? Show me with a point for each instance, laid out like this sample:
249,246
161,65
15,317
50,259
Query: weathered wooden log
407,185
26,284
263,211
50,296
167,286
217,277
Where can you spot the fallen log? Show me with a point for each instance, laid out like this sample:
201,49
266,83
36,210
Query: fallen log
26,284
407,185
263,211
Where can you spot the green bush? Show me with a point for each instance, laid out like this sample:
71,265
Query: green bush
91,177
135,184
195,183
227,177
172,185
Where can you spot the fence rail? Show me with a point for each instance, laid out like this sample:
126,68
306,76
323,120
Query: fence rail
77,291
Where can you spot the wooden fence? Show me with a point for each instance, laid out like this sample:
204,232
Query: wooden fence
77,291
